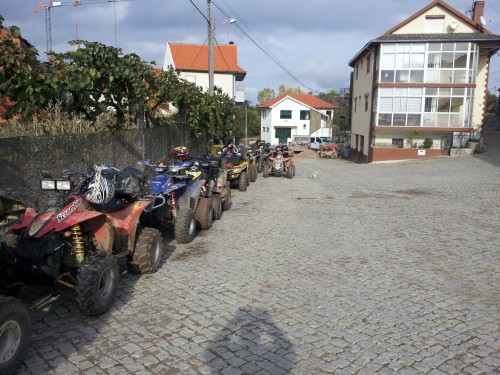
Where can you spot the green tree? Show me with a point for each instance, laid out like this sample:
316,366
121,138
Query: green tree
95,77
265,94
252,115
289,90
21,79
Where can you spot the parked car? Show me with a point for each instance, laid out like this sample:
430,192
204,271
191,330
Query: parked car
315,143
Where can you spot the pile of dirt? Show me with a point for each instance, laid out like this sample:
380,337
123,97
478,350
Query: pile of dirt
305,153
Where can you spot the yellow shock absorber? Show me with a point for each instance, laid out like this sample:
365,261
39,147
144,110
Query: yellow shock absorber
77,241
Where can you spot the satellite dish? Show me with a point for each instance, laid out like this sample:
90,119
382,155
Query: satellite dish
454,25
483,21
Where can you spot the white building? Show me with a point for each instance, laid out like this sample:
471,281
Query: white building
294,117
191,62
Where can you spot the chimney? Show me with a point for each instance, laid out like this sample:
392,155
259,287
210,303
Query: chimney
478,11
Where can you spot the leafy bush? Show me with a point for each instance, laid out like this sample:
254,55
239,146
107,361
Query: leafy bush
428,142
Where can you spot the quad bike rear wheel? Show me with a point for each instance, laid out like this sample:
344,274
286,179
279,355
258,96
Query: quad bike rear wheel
243,181
217,205
260,165
97,283
147,252
204,213
15,333
227,203
290,172
265,171
253,172
185,225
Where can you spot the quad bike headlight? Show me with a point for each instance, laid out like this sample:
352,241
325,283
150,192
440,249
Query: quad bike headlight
63,185
48,185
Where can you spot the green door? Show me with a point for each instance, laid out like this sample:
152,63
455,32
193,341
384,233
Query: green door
283,134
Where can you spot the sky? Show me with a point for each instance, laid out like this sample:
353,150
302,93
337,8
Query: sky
296,43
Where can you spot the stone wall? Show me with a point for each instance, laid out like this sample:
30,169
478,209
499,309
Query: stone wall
23,158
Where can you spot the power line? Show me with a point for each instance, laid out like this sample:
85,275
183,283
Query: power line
268,54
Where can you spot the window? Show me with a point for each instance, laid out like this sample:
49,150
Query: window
355,104
285,114
264,113
357,70
434,24
305,115
329,114
368,60
366,101
397,142
304,126
428,63
361,143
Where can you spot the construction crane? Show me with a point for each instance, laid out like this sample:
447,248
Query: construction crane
53,4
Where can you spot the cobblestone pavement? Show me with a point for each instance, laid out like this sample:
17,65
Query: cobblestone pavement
366,269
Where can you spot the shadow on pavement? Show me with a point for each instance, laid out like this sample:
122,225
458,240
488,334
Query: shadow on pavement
250,341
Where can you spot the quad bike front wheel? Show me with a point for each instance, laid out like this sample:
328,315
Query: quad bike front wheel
243,181
291,171
217,205
147,252
97,283
204,213
253,172
185,225
15,333
260,166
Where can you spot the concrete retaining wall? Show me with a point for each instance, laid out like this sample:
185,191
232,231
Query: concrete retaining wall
22,158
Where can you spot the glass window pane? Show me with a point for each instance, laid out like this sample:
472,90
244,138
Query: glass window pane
460,76
403,60
442,120
400,104
434,46
431,91
385,104
386,91
416,76
434,60
448,46
388,48
446,76
458,91
429,119
432,76
460,60
402,75
413,119
387,76
388,61
462,47
443,104
418,47
400,91
416,91
385,119
431,104
457,104
444,91
399,119
417,60
447,60
456,120
414,104
403,47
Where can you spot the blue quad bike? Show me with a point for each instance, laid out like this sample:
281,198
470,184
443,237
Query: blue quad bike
180,201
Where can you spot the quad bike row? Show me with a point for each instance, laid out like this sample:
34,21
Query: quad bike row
277,161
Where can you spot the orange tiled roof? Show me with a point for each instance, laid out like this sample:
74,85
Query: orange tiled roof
307,99
194,57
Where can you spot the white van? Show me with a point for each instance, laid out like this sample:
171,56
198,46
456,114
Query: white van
316,142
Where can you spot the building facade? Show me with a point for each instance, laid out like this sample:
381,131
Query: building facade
191,62
420,88
294,117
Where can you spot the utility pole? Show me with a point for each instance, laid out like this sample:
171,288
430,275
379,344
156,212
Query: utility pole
210,51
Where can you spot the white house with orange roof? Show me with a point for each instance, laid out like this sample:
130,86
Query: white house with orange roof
291,117
420,88
191,62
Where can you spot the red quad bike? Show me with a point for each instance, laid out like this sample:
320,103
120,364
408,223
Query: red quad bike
78,239
15,319
279,162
